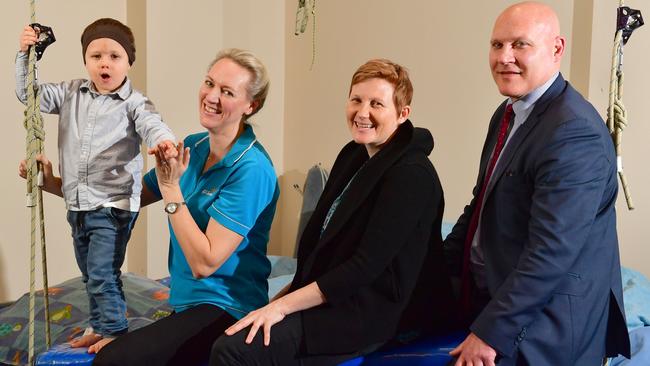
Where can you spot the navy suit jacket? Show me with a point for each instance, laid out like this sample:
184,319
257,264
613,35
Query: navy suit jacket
548,236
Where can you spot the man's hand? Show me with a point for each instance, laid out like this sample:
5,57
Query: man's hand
474,352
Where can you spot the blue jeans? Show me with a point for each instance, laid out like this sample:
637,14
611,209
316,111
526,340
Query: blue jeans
100,238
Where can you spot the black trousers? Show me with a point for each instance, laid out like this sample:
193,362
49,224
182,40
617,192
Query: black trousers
284,349
183,338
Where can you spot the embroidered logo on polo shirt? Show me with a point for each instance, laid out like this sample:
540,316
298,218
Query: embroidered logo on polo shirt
209,192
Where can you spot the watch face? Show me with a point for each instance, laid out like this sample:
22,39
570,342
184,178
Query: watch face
171,207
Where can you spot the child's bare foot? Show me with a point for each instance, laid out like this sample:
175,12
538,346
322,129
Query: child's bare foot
100,344
85,340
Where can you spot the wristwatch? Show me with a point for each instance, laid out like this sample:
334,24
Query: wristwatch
172,207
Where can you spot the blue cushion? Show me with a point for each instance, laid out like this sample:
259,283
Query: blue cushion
636,295
640,347
63,354
432,351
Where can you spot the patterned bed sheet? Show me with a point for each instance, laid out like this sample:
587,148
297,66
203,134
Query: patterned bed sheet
146,303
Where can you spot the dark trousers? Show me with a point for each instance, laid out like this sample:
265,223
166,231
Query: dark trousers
182,338
284,349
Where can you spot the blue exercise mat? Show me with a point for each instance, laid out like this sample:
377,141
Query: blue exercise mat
429,351
63,354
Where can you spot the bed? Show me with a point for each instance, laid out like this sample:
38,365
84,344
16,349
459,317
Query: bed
147,302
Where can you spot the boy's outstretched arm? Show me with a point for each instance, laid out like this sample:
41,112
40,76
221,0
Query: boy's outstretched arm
167,147
51,183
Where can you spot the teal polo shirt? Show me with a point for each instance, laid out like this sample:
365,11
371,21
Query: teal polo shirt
240,193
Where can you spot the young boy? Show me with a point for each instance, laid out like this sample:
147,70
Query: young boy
102,122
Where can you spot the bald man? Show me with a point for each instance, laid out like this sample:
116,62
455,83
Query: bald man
536,247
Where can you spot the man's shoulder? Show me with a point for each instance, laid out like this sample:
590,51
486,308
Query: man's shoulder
570,113
571,105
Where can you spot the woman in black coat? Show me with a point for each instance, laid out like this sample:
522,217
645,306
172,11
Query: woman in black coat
363,250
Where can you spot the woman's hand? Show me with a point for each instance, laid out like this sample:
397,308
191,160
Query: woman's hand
168,147
27,38
170,170
304,298
264,318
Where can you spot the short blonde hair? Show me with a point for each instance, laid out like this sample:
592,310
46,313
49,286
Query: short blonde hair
394,73
258,86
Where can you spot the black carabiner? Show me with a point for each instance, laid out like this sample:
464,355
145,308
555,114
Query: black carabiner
628,20
45,38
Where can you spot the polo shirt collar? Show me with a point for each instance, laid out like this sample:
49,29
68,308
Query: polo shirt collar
242,145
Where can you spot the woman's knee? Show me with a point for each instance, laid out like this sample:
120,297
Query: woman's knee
119,352
107,358
228,350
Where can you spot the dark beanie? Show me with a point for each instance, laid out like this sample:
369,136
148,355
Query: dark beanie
109,28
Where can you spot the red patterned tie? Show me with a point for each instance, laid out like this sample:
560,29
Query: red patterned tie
466,287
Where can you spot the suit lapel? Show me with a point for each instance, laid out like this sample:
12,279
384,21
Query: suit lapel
491,141
524,130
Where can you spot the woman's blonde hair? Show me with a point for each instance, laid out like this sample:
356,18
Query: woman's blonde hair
258,86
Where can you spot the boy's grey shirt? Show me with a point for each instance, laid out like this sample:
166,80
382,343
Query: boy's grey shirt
99,139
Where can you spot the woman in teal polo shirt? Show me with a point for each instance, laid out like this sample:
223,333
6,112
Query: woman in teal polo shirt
220,194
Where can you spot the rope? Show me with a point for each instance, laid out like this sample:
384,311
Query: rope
34,142
313,34
302,16
616,112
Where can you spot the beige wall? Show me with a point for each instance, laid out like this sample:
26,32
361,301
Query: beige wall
444,46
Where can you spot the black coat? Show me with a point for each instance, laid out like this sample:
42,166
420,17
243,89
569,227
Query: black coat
369,258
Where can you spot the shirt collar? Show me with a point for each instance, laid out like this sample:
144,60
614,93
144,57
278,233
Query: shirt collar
241,146
123,92
524,106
